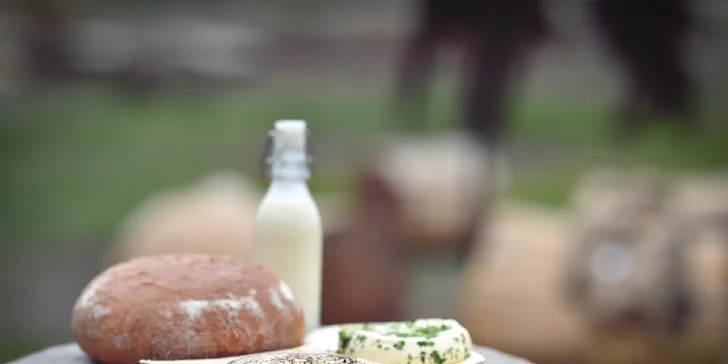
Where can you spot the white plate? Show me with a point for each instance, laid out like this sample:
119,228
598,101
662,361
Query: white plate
325,339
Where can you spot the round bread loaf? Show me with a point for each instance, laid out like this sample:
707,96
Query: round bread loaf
186,306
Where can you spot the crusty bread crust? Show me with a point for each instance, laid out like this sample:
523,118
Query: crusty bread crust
186,306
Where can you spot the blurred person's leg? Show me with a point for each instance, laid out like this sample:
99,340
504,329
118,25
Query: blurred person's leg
623,32
675,95
648,39
415,75
490,65
633,112
635,108
435,21
497,60
659,56
498,49
486,84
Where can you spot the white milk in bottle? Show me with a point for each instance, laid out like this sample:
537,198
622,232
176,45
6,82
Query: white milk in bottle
288,237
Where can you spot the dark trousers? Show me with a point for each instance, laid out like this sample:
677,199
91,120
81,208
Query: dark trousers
649,40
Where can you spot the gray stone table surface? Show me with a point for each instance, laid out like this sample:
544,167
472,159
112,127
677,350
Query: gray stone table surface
72,354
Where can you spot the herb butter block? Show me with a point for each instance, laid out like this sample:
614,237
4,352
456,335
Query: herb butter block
425,341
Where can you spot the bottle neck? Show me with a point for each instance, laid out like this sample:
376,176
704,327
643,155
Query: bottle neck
290,164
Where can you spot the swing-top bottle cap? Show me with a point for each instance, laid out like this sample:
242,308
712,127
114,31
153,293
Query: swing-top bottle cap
290,133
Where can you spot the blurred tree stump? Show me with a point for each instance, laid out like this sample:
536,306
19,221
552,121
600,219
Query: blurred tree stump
509,294
213,216
441,182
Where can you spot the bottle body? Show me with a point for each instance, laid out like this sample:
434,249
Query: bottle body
288,241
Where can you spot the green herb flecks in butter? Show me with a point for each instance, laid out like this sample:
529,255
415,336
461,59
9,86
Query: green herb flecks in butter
436,357
344,340
407,330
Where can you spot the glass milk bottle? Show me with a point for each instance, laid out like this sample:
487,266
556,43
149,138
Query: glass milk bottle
288,237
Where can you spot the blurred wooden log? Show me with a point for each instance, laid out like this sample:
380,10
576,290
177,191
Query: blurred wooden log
511,297
335,208
363,272
441,181
620,246
634,296
704,336
707,261
606,192
620,266
510,294
643,318
696,194
213,216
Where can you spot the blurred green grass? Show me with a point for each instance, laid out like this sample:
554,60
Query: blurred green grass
76,160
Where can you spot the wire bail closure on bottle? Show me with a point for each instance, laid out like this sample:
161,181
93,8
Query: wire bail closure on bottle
267,154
